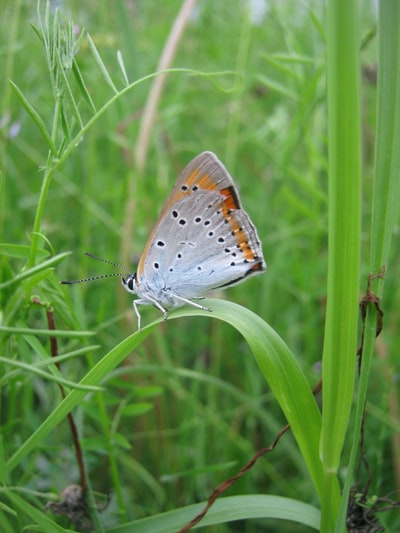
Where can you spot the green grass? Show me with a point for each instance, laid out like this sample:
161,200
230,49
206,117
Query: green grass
166,414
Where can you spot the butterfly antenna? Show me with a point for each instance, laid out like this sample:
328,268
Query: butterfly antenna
101,276
108,261
92,278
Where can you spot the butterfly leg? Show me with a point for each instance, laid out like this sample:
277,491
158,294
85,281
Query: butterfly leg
192,303
135,302
148,301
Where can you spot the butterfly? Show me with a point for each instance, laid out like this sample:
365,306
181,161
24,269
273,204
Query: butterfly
203,241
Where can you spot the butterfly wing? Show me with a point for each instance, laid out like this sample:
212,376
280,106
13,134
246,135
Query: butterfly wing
203,239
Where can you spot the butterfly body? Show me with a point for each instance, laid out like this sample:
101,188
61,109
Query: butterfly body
202,241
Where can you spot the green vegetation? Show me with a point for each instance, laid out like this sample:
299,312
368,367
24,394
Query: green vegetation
92,139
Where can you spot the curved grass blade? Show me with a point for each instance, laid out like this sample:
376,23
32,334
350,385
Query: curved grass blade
274,358
225,510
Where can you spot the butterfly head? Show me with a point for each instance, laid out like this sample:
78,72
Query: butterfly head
130,283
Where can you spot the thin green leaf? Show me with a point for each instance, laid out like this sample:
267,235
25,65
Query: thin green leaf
65,127
49,361
82,86
385,204
21,251
101,65
386,197
148,391
35,117
37,31
344,211
34,270
122,67
47,332
23,507
67,87
136,409
290,58
277,87
253,506
344,237
50,377
121,441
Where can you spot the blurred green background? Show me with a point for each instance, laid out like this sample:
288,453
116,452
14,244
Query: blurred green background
206,405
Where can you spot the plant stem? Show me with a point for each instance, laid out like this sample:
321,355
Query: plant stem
384,204
344,234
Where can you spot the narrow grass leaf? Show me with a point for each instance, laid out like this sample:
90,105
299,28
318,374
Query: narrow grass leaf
23,507
35,117
32,369
290,58
137,409
344,212
385,204
225,510
122,67
385,207
101,65
65,127
49,361
67,88
29,272
277,87
37,31
344,237
21,251
283,67
82,86
47,332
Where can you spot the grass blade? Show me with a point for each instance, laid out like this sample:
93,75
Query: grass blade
101,64
384,203
225,510
122,67
34,270
344,237
82,86
35,117
344,227
275,360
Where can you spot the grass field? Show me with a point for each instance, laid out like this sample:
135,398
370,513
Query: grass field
287,95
